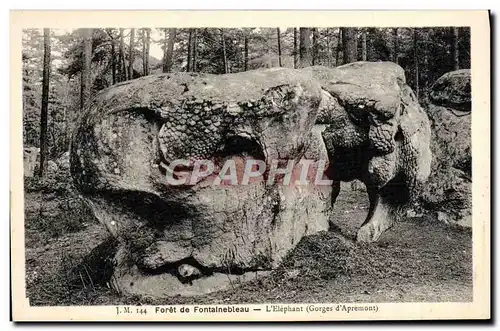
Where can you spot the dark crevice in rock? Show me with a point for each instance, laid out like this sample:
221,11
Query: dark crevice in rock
173,269
186,88
396,191
194,270
349,164
159,212
241,146
399,135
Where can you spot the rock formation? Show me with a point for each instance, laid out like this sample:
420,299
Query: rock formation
448,192
138,138
452,90
378,133
30,160
132,132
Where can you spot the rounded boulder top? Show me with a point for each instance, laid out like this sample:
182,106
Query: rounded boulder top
453,90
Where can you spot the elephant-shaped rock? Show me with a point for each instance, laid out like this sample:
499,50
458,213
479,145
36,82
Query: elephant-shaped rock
375,132
208,180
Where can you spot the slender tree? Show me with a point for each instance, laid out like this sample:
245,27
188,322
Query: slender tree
224,55
45,103
113,55
424,71
456,50
415,61
350,48
146,37
338,59
86,81
190,44
295,48
279,46
305,47
328,48
395,45
169,50
148,48
195,49
165,47
363,45
123,71
315,50
113,62
245,45
143,53
131,52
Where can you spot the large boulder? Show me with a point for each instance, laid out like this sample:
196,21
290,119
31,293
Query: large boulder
197,237
448,192
153,158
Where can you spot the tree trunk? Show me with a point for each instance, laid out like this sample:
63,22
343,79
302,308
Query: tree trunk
190,42
295,49
424,70
328,48
245,42
415,61
146,36
148,46
123,71
195,49
350,47
131,55
369,44
113,61
169,53
305,47
164,47
224,56
279,46
143,55
315,50
338,50
45,103
395,45
456,51
86,82
363,45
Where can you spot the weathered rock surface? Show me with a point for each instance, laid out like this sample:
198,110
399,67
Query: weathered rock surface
448,191
63,162
30,160
133,131
359,121
375,132
453,90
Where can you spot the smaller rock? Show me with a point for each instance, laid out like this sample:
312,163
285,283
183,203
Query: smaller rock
412,213
52,167
442,217
291,274
188,271
453,90
30,158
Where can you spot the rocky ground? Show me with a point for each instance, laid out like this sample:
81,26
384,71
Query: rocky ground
420,259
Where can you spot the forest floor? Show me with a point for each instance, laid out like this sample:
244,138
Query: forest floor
419,259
